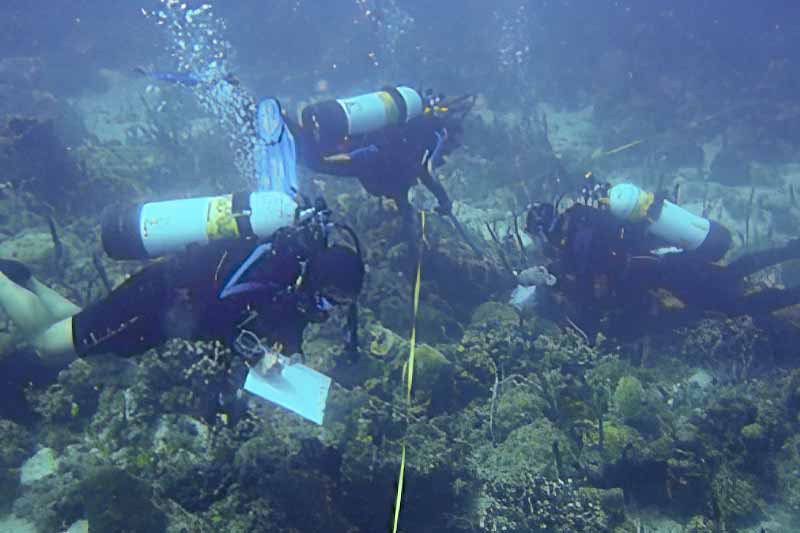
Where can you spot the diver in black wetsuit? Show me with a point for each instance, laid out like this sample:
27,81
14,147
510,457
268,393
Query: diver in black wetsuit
713,287
389,140
391,160
400,143
607,266
207,292
588,250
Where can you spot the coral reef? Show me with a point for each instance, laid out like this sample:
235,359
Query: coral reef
15,444
515,424
115,501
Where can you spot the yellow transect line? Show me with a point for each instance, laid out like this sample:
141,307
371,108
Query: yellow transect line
410,369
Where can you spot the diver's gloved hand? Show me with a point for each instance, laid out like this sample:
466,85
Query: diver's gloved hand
305,207
270,364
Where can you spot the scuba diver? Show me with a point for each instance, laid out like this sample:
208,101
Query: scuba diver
586,249
250,266
389,140
273,287
615,246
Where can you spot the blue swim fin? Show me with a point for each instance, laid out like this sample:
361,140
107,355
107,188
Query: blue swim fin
275,155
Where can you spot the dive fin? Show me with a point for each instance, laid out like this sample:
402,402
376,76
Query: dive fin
275,154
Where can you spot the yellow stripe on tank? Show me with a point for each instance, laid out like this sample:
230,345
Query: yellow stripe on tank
220,222
392,113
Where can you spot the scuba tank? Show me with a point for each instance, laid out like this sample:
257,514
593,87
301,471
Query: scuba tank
670,222
332,121
155,228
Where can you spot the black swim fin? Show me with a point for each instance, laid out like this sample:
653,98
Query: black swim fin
16,271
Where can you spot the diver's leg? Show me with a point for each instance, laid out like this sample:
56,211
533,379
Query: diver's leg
50,336
134,317
55,343
59,306
410,233
24,307
765,301
20,274
753,262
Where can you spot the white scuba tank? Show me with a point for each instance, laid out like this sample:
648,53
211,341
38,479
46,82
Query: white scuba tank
157,228
374,111
332,121
673,224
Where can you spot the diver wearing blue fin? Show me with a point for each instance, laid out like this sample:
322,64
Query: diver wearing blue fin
389,140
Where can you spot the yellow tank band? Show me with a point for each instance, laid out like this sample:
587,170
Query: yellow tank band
220,222
639,212
392,113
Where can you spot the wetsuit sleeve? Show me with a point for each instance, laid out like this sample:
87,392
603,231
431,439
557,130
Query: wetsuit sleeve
286,331
361,160
432,138
435,186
